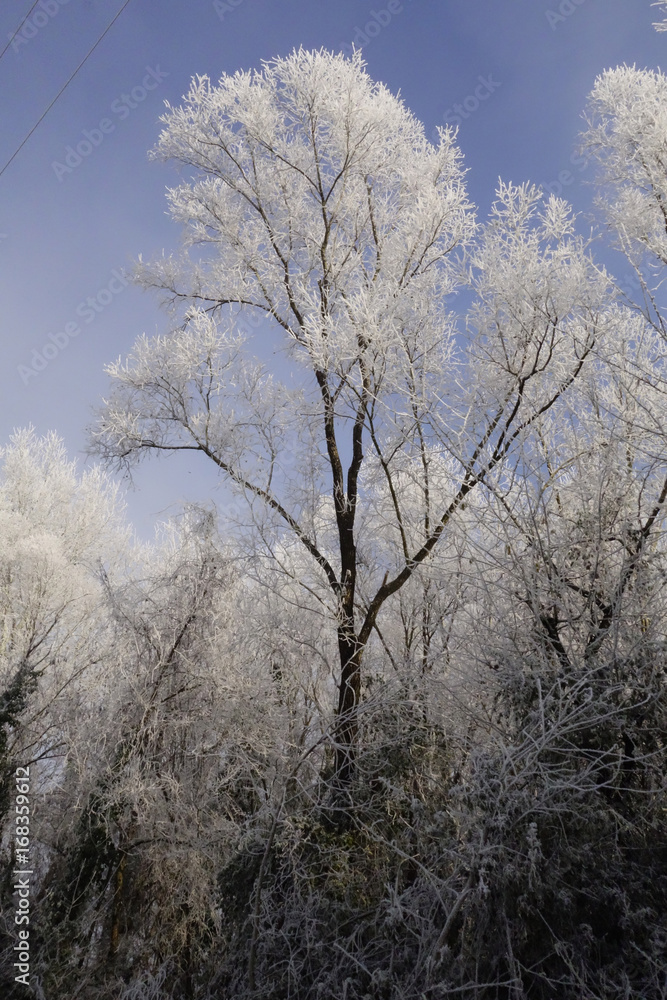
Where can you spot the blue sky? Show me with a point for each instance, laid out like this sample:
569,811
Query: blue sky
519,71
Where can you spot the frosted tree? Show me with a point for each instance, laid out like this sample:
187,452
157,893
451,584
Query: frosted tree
626,137
144,807
318,203
57,528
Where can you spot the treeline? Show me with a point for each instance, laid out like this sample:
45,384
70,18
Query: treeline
503,835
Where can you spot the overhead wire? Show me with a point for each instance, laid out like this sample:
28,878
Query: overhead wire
63,88
13,36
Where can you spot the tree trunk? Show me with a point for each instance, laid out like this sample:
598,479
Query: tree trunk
347,728
116,906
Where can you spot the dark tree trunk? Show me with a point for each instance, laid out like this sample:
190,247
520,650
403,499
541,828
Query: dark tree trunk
347,728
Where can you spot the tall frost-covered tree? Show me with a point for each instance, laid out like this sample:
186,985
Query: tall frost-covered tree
318,203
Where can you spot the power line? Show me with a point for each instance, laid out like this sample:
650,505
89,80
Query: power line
12,37
63,88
